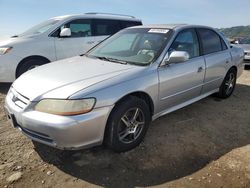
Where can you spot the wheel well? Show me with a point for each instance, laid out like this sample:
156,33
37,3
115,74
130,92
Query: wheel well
34,57
234,67
142,95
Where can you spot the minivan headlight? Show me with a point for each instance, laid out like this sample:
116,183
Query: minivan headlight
4,50
65,107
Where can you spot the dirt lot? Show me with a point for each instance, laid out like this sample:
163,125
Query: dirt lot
206,144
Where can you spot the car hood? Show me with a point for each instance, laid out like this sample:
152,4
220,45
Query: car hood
16,40
63,78
8,41
245,47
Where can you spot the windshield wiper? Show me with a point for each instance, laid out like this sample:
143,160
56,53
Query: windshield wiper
111,60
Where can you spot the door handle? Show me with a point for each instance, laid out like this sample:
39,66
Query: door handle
227,62
200,69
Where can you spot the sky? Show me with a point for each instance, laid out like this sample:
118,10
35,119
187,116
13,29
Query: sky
19,15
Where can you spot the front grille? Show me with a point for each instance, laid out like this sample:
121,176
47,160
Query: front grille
18,99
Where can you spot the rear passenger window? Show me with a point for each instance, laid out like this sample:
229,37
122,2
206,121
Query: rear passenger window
106,27
211,41
79,28
186,41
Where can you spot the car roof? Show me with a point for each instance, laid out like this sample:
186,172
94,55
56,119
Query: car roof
95,15
171,26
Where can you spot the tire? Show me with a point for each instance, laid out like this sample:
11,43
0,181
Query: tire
123,131
228,85
30,64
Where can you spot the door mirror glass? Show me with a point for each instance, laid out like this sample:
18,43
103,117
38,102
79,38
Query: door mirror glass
177,57
65,32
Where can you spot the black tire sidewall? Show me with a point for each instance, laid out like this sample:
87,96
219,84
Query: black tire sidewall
27,64
112,139
222,92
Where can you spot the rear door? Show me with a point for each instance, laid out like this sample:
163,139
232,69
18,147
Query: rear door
80,41
180,82
217,57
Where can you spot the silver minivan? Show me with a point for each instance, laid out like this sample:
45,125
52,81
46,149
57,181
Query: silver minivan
57,38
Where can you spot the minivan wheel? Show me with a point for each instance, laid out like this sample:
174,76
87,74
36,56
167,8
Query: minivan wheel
228,84
127,124
28,65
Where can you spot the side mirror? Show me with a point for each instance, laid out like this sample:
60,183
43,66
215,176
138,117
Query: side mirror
65,32
177,57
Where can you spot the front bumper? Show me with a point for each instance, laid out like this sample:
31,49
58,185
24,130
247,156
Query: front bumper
247,58
8,65
63,132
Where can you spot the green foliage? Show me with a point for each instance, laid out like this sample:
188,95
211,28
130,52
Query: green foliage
239,31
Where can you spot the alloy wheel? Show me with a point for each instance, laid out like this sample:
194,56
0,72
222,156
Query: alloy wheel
131,125
230,82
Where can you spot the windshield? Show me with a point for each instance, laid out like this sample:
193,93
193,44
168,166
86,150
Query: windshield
245,41
139,46
40,28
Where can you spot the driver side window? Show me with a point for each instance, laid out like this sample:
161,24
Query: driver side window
79,28
187,41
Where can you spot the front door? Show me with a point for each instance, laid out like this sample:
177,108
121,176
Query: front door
180,82
80,41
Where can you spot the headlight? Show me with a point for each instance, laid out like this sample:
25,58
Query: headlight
65,107
4,50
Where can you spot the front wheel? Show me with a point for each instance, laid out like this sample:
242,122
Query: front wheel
30,64
127,124
228,84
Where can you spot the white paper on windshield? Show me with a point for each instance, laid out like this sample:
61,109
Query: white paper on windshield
158,30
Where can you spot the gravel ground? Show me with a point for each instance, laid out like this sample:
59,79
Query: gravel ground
206,144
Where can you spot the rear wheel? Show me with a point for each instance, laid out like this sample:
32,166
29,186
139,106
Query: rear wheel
127,124
228,84
30,64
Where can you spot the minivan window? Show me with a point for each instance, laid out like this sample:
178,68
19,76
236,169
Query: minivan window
79,28
40,28
211,41
186,41
125,24
105,27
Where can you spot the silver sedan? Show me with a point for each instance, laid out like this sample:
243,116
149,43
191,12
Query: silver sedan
245,45
110,94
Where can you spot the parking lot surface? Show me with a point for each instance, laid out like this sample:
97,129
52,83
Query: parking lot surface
206,144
